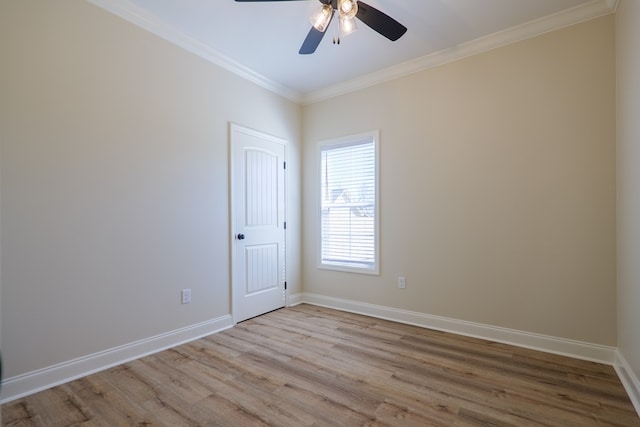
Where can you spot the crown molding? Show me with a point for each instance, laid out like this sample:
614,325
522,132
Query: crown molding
138,16
572,16
613,4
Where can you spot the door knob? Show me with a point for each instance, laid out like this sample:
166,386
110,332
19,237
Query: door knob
240,236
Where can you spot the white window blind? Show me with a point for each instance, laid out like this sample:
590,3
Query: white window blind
349,204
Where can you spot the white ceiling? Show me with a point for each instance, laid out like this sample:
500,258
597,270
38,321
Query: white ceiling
261,40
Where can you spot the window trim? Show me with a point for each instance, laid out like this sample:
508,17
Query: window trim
371,136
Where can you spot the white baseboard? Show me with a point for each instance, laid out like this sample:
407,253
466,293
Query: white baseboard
32,382
295,299
549,344
629,380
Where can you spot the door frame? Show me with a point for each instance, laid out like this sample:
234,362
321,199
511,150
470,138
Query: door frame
232,128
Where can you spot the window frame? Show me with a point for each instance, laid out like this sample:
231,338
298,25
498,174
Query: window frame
361,138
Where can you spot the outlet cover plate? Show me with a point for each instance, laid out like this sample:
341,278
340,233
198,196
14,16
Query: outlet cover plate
186,296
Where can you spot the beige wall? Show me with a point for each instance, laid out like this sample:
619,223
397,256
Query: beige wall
497,185
114,154
628,166
497,177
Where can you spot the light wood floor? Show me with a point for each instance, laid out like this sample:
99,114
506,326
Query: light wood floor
310,366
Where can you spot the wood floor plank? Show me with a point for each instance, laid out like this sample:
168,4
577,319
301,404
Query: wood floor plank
311,366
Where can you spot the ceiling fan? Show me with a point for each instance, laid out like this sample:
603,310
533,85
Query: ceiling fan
347,11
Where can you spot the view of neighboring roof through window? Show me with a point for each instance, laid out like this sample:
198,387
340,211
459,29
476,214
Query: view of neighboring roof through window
349,204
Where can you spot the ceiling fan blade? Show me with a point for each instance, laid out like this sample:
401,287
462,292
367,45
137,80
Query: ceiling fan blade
313,39
380,22
311,42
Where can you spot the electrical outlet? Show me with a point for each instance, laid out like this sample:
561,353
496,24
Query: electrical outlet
186,296
402,283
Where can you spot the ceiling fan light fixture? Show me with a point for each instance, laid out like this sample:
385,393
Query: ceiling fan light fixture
320,19
347,9
347,26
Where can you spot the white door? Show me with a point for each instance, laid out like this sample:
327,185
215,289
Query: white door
258,222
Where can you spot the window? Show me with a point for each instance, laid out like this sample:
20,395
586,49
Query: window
349,204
